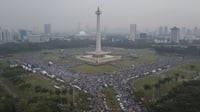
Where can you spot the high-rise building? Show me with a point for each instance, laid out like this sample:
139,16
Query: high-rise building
160,31
133,31
183,31
189,32
166,32
175,35
0,35
47,28
22,34
195,31
199,32
143,35
5,35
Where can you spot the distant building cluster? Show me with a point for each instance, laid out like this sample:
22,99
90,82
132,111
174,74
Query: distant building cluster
178,35
160,35
5,35
24,35
164,34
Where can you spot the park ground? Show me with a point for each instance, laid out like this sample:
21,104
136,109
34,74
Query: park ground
34,93
143,55
153,87
68,57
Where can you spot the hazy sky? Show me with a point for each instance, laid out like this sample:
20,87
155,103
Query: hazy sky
65,15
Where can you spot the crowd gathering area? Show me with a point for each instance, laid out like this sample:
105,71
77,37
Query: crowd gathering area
140,76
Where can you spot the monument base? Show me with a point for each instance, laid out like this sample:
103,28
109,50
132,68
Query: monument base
99,59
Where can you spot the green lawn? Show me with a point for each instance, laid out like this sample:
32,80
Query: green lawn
111,99
140,59
193,66
162,88
145,51
36,80
53,58
72,62
3,64
145,59
85,68
28,53
126,63
2,89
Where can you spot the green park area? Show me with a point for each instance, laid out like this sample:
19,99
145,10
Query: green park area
53,58
145,59
142,55
153,87
28,53
36,80
132,62
183,98
22,91
111,100
126,63
145,51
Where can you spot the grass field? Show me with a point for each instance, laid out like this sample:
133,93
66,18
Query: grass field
155,87
145,51
141,59
85,68
28,53
3,91
126,63
3,64
70,62
53,58
193,66
111,99
36,80
145,59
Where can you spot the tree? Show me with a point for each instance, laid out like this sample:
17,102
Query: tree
139,94
184,98
176,76
168,79
147,87
192,67
157,86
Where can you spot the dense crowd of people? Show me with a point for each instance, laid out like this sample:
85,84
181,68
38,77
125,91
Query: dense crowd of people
94,83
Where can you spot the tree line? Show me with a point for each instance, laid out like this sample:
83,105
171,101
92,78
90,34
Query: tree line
184,98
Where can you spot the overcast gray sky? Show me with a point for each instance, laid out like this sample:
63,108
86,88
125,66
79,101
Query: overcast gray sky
65,15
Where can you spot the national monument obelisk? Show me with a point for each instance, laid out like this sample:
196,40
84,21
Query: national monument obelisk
98,35
98,56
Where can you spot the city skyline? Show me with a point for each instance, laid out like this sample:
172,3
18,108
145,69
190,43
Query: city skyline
99,56
66,15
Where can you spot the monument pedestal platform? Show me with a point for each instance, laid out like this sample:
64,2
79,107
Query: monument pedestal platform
99,57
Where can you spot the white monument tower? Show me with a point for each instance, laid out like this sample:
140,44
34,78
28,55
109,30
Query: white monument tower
98,56
98,35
